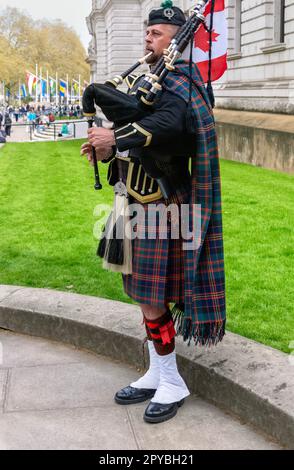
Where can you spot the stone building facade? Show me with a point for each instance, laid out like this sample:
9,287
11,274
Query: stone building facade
261,56
260,74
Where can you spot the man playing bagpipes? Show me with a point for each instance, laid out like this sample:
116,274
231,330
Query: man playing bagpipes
180,291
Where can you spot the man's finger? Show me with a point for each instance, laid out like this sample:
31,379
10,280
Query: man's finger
85,151
84,146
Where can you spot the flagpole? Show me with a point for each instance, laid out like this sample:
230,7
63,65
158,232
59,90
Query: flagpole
41,86
56,89
67,90
19,97
48,96
80,90
36,85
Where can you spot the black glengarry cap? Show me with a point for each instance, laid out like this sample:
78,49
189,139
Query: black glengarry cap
167,14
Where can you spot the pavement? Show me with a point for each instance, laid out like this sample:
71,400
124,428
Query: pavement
251,381
57,396
19,133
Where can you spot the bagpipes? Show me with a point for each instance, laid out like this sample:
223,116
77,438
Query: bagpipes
121,109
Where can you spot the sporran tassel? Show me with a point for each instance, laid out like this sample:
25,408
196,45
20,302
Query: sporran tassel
115,246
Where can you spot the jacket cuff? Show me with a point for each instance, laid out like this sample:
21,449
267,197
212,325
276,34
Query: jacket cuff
132,135
107,160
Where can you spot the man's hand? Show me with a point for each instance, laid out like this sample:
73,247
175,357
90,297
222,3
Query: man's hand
101,138
101,153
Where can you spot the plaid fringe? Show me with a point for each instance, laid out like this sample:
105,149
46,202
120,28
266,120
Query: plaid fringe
203,334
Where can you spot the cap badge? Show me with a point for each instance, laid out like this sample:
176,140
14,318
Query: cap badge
169,13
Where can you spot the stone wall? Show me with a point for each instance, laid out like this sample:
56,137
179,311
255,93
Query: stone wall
261,139
260,68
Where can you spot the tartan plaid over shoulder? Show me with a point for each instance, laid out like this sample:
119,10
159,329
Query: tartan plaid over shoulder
202,317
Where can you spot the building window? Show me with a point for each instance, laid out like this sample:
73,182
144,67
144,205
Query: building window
278,32
279,21
234,20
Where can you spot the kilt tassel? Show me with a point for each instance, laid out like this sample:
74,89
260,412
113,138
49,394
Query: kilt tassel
204,334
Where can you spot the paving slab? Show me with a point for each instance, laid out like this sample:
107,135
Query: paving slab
200,426
19,351
78,429
47,387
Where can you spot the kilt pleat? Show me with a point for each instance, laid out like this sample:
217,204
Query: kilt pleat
158,263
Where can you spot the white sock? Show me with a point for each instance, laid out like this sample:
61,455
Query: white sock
151,378
172,387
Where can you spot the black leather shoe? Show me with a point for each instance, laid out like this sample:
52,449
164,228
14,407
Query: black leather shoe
158,412
129,395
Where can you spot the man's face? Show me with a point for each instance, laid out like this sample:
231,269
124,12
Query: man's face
158,38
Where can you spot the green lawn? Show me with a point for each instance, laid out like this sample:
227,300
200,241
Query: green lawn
47,202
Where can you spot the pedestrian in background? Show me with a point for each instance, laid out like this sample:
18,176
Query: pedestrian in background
7,124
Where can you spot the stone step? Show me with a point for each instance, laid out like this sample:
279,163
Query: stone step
44,137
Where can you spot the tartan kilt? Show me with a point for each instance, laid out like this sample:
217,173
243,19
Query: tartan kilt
157,263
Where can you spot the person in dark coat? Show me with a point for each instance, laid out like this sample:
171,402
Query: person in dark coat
7,124
178,291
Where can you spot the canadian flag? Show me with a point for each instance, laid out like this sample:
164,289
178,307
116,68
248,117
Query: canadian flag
219,42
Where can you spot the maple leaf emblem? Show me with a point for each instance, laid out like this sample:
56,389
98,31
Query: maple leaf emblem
201,39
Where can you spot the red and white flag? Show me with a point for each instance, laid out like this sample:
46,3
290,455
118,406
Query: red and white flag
219,43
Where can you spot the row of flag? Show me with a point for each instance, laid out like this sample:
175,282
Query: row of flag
48,89
217,39
52,87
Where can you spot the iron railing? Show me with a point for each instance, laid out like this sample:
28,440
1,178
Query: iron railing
55,125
